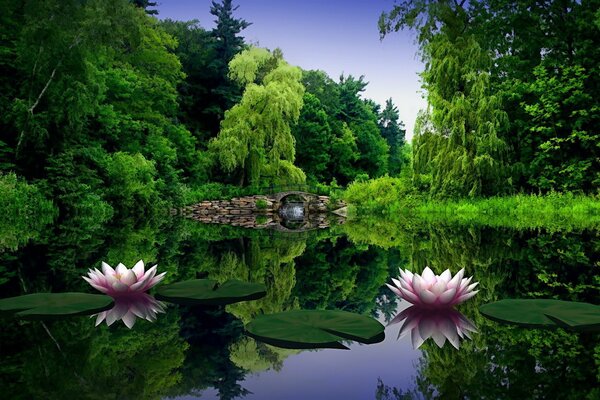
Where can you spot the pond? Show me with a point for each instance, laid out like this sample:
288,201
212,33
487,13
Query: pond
202,352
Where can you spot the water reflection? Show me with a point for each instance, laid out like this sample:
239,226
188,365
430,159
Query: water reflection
130,307
292,211
189,351
438,324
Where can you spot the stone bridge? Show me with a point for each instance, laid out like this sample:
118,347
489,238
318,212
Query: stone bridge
262,211
306,197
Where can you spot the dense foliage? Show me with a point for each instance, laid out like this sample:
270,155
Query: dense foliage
513,95
113,113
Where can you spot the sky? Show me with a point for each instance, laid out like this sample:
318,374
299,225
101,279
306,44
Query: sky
336,36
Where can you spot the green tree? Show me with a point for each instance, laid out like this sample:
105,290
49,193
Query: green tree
85,80
227,44
392,130
145,4
314,138
256,133
461,147
546,69
356,145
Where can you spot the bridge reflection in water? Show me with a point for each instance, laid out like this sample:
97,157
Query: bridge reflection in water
291,211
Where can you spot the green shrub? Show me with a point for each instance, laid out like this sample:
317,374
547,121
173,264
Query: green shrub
261,204
25,211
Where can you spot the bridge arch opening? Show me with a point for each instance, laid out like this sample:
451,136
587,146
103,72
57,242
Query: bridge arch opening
294,198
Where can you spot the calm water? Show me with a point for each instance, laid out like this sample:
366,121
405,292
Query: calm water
202,352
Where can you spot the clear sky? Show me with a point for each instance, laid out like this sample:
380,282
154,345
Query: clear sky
336,36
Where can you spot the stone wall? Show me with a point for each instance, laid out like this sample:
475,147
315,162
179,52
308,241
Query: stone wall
244,211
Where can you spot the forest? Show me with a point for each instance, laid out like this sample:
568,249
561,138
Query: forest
112,117
108,112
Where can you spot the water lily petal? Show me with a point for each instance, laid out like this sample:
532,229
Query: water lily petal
428,276
409,325
407,276
397,282
426,327
447,296
439,338
95,285
155,280
110,279
150,273
449,330
139,286
446,276
128,278
466,296
409,296
107,269
138,269
158,306
405,285
394,289
417,340
121,269
464,283
119,287
427,297
438,288
129,319
418,284
454,282
399,317
100,317
98,276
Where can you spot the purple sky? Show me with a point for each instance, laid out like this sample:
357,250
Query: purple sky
336,36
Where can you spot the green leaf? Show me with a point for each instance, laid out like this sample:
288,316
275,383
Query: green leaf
43,305
544,313
311,329
209,292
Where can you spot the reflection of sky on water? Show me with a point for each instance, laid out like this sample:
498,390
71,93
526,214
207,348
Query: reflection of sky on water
336,374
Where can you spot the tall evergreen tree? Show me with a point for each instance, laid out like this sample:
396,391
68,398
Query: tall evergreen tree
228,43
145,4
227,30
392,130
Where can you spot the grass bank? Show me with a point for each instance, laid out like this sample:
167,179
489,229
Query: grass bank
395,199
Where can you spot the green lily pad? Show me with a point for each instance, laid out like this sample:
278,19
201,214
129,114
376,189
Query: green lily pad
48,305
209,292
544,313
312,329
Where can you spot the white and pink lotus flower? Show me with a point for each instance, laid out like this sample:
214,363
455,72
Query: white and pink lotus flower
432,315
122,280
440,324
429,290
128,289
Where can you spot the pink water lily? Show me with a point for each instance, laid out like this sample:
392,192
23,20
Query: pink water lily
129,308
123,281
439,324
433,291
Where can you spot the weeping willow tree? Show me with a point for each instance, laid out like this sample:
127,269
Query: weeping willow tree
457,147
255,135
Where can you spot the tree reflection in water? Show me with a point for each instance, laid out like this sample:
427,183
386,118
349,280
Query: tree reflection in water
190,349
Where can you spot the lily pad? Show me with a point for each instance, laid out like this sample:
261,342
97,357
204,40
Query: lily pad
312,329
47,305
544,313
209,292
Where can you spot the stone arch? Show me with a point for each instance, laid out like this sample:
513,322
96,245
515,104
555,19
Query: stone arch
305,196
